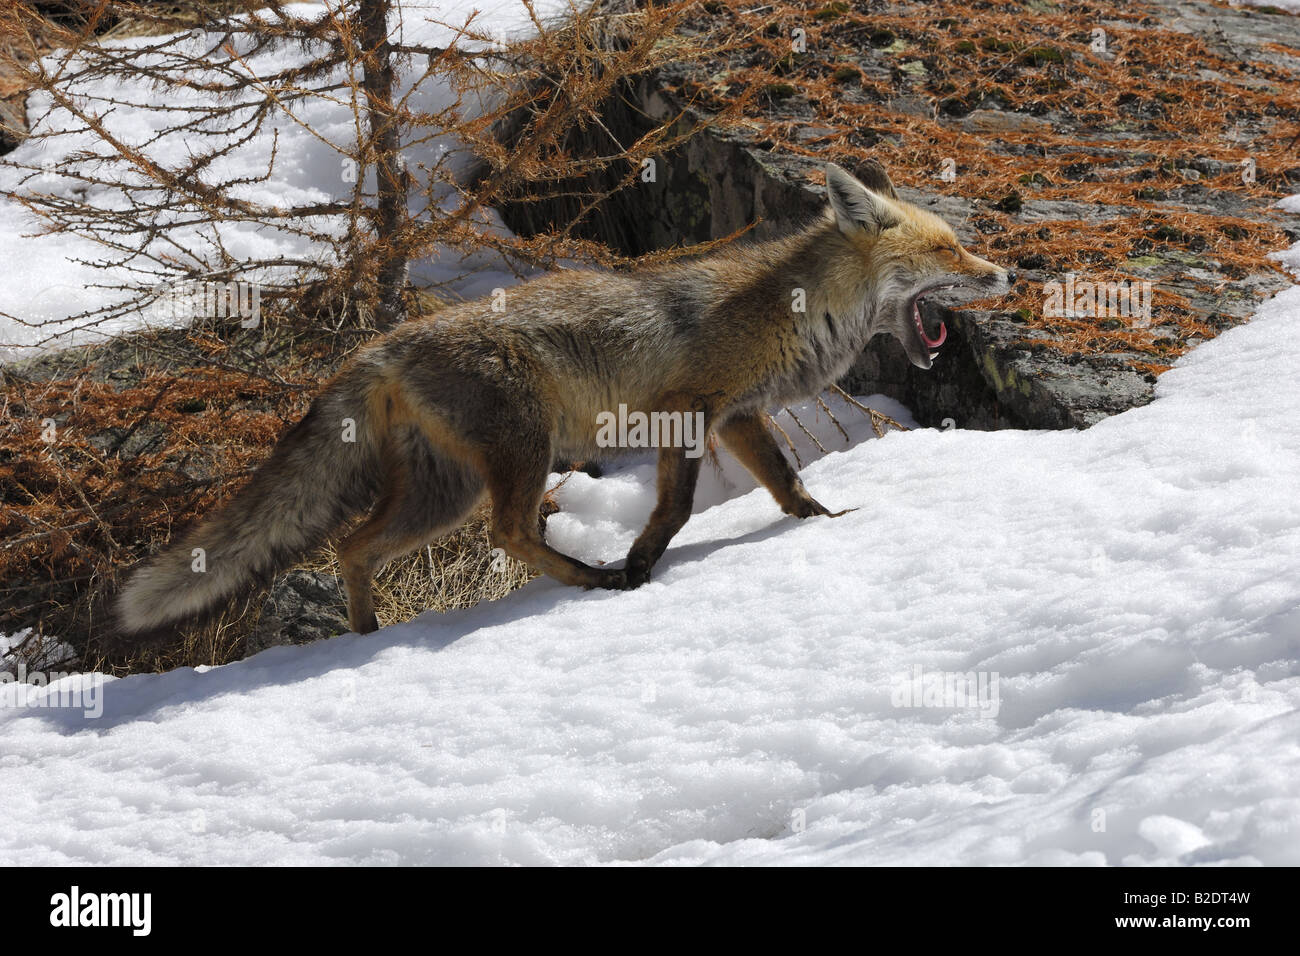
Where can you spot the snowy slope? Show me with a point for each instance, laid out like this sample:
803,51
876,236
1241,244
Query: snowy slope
1134,589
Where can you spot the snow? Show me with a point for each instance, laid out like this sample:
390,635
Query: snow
1129,596
57,279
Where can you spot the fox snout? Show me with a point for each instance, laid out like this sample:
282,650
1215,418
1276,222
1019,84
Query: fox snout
1000,281
923,331
986,275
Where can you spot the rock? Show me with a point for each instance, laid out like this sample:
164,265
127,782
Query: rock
806,134
1000,121
301,607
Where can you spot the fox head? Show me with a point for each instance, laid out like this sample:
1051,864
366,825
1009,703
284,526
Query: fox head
907,254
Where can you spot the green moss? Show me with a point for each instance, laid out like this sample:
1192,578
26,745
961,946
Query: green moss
1033,179
881,38
832,12
964,46
1004,379
1182,257
1168,234
779,91
1011,202
996,45
846,74
1043,55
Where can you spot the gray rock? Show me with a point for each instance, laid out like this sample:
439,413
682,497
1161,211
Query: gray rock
301,607
1000,121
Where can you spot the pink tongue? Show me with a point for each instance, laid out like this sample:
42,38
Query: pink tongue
935,343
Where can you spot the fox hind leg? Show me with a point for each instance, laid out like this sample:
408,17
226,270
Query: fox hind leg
426,496
516,473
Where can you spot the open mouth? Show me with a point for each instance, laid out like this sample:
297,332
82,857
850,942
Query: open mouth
942,335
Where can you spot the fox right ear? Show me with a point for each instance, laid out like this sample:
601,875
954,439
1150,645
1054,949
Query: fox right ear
871,173
857,207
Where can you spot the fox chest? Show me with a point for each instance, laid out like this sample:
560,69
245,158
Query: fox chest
817,353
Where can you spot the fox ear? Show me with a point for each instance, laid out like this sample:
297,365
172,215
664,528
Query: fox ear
857,207
871,173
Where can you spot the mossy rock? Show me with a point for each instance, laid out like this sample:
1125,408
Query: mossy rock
1043,56
1167,233
831,12
996,45
1011,203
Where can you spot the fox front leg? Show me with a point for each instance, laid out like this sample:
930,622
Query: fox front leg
747,437
676,487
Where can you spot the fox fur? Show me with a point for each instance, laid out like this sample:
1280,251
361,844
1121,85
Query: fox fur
446,409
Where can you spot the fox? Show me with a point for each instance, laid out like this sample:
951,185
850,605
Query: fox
475,402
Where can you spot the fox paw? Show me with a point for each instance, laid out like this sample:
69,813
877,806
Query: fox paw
615,580
638,572
810,507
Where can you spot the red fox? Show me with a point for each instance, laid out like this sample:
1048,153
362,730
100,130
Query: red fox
428,418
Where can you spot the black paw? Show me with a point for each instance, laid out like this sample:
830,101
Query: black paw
610,581
638,572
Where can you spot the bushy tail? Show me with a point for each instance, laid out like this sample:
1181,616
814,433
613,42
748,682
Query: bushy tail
325,470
